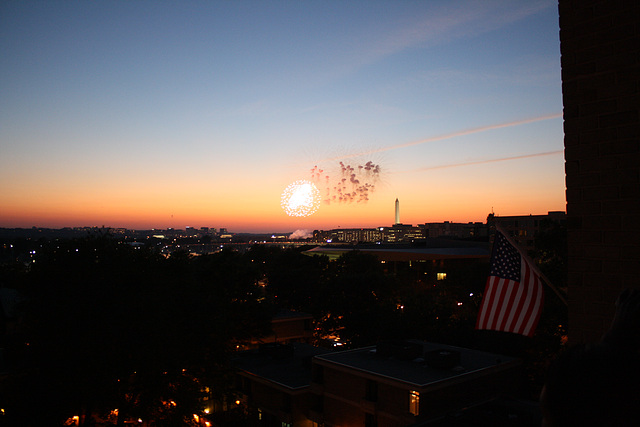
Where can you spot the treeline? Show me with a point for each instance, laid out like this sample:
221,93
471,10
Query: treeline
104,325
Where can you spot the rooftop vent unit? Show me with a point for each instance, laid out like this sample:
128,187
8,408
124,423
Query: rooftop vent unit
277,350
442,358
401,350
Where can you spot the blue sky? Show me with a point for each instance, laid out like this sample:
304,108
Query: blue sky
201,113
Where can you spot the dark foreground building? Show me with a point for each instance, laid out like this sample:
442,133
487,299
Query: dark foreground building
600,47
399,383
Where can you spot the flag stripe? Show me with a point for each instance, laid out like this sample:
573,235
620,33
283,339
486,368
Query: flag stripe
504,305
507,307
523,326
501,287
513,296
487,301
537,311
534,314
522,315
516,308
496,288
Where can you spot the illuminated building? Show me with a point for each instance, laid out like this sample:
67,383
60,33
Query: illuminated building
522,227
348,235
402,233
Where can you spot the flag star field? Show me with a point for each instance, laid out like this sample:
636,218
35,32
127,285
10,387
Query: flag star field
507,260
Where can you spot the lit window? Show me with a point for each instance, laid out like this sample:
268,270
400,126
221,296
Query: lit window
414,402
441,276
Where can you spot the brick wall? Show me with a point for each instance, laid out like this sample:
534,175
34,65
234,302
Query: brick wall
600,42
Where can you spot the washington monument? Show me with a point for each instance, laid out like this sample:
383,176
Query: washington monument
397,212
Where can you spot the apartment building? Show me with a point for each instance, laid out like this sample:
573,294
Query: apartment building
399,383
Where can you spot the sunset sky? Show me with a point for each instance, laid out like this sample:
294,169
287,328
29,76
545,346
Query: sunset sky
156,114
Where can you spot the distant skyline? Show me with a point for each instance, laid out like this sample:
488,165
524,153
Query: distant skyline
159,114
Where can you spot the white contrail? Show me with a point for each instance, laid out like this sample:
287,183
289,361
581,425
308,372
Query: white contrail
480,162
451,135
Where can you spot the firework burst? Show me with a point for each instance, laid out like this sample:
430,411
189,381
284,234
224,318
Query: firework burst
301,198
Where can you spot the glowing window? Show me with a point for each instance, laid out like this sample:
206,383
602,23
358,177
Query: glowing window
441,276
414,402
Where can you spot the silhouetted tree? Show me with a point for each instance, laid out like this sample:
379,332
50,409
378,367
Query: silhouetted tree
295,280
357,299
108,325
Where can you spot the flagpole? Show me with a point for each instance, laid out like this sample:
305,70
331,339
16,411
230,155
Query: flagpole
531,263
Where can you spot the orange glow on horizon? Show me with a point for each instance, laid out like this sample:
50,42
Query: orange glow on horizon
278,223
440,194
463,205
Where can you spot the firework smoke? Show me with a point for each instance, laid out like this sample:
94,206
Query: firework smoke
352,183
301,234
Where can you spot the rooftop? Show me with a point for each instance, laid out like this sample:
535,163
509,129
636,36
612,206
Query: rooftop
288,366
419,363
433,249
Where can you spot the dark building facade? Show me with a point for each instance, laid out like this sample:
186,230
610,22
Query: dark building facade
470,230
600,48
524,228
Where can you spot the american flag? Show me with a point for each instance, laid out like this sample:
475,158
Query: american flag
513,296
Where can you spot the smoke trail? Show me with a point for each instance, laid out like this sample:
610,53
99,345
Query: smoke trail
301,234
452,135
481,162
